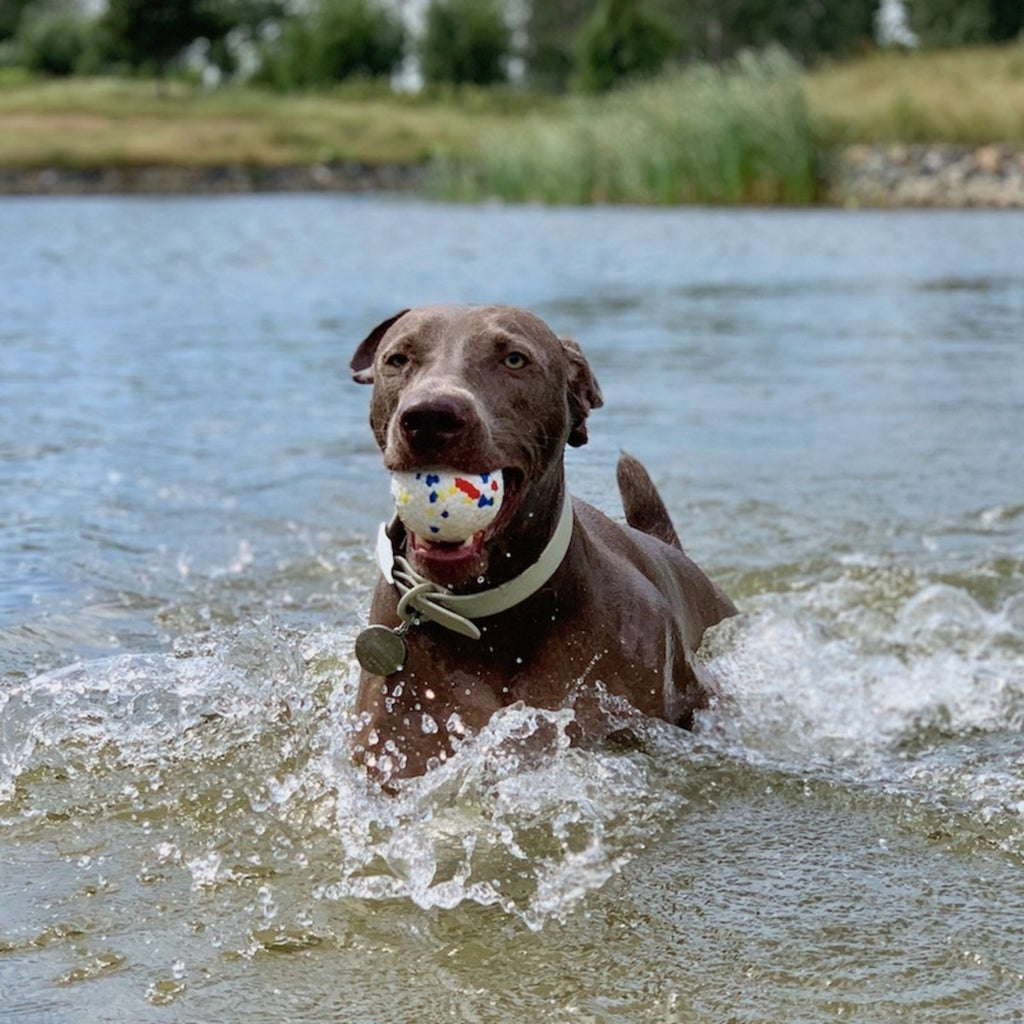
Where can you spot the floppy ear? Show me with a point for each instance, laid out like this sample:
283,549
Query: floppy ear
584,392
362,361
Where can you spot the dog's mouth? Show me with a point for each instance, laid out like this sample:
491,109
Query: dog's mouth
456,562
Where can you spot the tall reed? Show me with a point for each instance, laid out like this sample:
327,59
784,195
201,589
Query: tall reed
735,134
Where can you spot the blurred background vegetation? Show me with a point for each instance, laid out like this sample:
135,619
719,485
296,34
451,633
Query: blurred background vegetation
570,100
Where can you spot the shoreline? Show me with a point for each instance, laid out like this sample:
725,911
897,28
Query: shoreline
219,179
878,176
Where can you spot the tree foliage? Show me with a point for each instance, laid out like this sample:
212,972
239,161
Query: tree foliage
718,29
622,39
356,37
54,42
10,17
552,29
956,22
594,44
465,41
151,33
339,39
1006,19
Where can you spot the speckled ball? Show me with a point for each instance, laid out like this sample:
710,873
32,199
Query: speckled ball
446,505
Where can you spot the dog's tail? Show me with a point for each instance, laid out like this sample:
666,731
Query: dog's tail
642,503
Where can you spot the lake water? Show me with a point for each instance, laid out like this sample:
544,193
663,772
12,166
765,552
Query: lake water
833,406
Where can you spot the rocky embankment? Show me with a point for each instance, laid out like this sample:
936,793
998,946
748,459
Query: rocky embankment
936,175
894,175
334,177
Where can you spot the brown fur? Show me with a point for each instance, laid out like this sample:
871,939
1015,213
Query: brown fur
482,388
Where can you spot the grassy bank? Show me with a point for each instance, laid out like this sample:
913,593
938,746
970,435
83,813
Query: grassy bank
97,122
752,132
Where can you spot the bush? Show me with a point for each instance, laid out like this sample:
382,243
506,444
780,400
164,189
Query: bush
340,39
465,42
57,43
621,40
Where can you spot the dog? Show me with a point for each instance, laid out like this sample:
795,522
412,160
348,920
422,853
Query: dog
558,602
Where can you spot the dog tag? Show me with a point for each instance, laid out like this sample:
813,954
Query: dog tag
380,650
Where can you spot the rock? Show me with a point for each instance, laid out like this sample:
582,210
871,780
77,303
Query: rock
989,159
990,176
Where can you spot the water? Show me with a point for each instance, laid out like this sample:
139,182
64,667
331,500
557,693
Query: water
833,406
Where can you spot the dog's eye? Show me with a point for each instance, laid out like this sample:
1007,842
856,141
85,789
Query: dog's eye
396,360
515,360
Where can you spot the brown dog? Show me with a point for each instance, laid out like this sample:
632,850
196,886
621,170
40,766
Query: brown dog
564,601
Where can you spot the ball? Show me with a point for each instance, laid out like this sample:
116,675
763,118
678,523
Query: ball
445,504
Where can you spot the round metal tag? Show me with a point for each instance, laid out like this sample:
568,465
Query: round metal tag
380,650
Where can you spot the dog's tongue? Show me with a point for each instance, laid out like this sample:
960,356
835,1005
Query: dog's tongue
447,562
449,550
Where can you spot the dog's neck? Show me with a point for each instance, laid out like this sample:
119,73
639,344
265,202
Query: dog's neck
523,538
421,598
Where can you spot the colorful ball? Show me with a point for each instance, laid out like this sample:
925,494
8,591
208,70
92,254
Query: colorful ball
446,505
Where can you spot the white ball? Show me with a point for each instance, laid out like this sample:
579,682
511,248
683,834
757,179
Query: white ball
446,505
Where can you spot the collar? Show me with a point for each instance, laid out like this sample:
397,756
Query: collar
429,600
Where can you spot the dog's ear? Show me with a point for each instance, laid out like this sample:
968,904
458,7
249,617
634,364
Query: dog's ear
362,361
584,393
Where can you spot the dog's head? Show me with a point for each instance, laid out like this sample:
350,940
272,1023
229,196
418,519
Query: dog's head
478,388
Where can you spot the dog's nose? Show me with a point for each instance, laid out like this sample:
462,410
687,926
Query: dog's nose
433,423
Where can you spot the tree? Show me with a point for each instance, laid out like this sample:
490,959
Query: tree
338,39
621,40
950,22
356,37
54,41
716,30
10,17
465,41
552,29
151,33
1006,19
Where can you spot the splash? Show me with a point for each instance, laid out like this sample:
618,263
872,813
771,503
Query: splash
890,683
247,733
518,818
875,660
237,746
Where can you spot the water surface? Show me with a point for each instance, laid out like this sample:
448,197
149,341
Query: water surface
833,406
